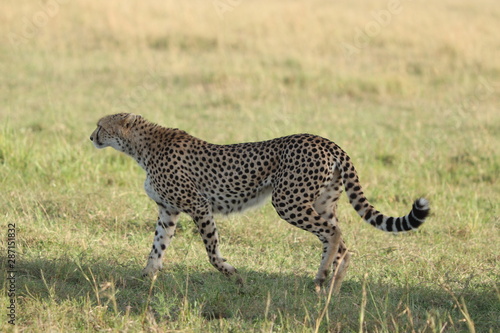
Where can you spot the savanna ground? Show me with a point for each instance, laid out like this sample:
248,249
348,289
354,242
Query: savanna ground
410,89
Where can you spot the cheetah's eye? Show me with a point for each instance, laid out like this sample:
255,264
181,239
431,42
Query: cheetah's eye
100,128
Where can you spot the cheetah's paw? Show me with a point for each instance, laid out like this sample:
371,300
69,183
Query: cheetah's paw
152,268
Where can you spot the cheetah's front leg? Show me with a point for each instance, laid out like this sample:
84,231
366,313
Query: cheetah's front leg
210,236
165,229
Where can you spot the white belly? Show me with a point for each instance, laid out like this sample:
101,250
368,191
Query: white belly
150,191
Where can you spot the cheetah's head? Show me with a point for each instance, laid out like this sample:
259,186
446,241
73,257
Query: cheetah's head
111,130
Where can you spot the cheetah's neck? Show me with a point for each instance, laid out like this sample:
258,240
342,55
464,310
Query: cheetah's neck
146,140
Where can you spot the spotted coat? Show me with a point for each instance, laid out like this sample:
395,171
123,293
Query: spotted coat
303,174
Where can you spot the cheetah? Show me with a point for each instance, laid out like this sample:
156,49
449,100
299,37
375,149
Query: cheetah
303,174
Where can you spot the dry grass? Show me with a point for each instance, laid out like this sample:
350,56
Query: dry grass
412,97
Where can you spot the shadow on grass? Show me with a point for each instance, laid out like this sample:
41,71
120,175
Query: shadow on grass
287,298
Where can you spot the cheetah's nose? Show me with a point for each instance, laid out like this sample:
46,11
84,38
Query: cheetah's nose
91,138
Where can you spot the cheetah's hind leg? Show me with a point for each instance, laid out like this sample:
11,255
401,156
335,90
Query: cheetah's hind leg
340,265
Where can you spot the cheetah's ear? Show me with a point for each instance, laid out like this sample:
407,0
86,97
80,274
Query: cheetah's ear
127,123
130,120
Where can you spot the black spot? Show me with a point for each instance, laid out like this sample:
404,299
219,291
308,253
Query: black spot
389,223
389,226
398,225
419,213
413,221
404,223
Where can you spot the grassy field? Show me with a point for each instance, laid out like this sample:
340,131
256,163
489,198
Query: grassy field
410,89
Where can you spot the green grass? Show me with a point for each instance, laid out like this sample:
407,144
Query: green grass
416,108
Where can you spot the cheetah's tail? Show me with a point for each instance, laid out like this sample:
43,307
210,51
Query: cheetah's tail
420,209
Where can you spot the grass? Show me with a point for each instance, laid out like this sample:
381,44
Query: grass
415,104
